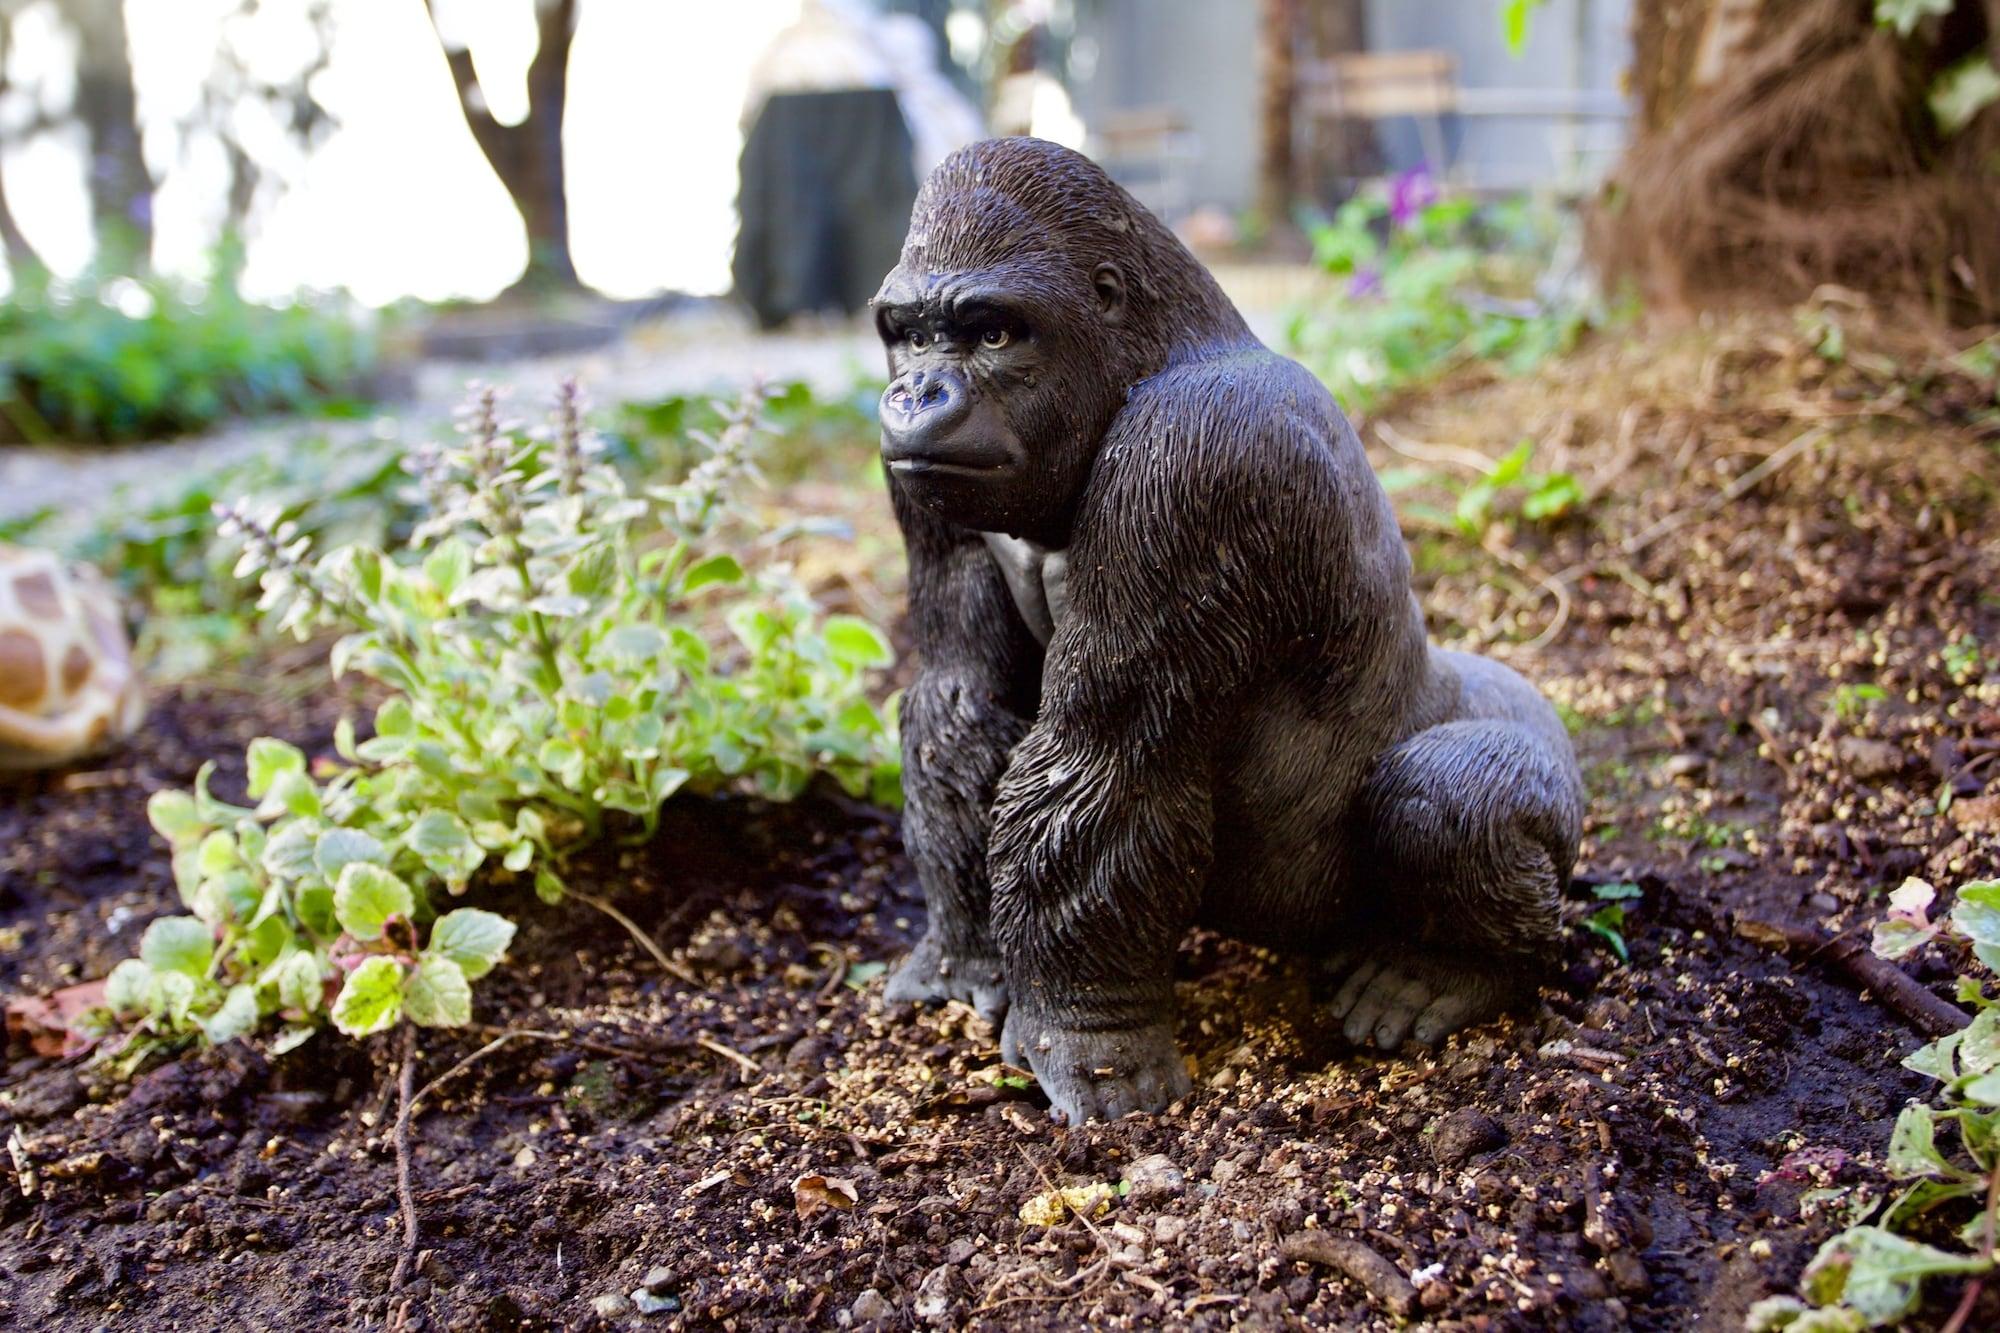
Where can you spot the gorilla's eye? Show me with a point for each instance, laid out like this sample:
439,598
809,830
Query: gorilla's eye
919,340
995,338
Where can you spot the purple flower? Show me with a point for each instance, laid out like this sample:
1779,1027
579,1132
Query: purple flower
1367,281
1410,194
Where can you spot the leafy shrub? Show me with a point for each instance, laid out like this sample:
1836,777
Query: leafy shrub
549,640
1433,282
809,429
1507,486
77,365
1873,1274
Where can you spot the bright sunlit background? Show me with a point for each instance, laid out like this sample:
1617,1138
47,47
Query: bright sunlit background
397,202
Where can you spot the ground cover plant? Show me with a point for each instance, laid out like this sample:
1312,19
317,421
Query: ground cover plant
114,359
752,1138
1433,281
541,639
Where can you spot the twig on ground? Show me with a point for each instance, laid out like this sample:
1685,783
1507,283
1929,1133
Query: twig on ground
1770,738
1850,954
645,941
750,1068
1423,452
404,1194
509,1035
1382,1280
581,1043
1557,584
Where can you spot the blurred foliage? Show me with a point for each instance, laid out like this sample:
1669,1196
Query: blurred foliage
813,435
1434,282
340,490
106,359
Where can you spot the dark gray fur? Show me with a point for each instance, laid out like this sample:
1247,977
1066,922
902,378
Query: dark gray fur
1171,669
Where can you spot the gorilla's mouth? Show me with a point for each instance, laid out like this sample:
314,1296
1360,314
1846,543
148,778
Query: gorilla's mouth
921,467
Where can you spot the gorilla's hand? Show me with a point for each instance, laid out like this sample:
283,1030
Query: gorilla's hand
930,975
1104,1073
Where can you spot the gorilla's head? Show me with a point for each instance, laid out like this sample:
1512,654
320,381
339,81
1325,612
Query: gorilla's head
1032,293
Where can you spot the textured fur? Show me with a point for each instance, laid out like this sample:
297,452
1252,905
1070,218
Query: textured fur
1235,718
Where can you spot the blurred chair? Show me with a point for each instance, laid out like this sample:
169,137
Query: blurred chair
1376,86
1151,152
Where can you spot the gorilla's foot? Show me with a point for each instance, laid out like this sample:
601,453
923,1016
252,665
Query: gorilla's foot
1414,998
1104,1074
932,975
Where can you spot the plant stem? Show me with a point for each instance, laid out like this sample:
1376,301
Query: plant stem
405,1195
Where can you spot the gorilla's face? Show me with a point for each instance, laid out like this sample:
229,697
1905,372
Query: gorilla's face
1000,385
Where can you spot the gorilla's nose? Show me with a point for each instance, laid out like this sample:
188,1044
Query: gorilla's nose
920,412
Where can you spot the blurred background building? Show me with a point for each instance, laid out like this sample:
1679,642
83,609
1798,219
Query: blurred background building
449,149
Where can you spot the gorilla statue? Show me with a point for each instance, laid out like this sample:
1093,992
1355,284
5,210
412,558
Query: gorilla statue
1171,670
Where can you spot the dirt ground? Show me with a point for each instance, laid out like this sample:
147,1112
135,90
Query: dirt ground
771,1148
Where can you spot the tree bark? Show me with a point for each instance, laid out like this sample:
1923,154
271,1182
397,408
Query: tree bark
121,189
1276,38
528,157
1345,150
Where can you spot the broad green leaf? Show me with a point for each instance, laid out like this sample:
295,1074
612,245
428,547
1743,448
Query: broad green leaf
722,568
173,816
1896,938
471,938
439,995
301,982
289,853
857,643
125,990
394,718
291,1039
445,845
366,896
372,998
548,885
268,759
340,847
1913,1145
1879,1273
635,642
1963,91
1937,1060
295,793
237,1016
447,565
171,994
1979,1051
1905,15
178,944
218,854
1984,1090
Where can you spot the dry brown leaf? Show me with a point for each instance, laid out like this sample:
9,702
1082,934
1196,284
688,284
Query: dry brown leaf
812,1194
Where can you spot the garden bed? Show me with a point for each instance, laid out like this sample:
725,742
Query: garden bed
1639,1153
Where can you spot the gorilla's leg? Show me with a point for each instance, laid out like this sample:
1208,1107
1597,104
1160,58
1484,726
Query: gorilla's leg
1475,826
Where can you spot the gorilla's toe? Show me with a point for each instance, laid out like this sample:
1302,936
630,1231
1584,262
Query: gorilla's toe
930,975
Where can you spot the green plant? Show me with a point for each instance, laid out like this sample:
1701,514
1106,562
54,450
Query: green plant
108,359
1852,701
809,429
1608,921
1962,660
1538,497
1873,1274
552,645
1432,283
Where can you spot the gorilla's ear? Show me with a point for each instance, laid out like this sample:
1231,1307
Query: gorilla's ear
1110,285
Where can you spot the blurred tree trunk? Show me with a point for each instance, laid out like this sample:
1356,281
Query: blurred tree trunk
1343,150
1277,37
528,157
1785,144
121,189
19,252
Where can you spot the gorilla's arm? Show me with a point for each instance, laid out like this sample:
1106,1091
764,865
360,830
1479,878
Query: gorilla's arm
1180,596
971,702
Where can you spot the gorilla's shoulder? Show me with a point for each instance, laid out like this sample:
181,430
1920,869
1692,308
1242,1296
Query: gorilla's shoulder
1237,414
